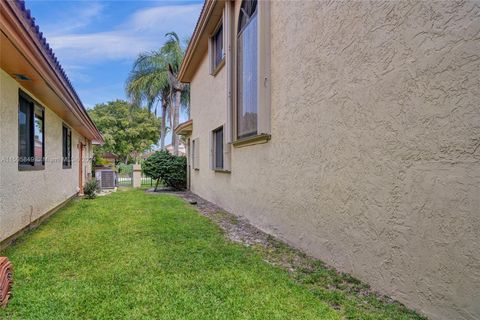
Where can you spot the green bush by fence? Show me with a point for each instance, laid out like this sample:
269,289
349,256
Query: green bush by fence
168,168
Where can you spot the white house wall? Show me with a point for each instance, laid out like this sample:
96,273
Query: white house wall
27,195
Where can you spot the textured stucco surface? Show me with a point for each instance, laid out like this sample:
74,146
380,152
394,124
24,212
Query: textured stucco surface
27,195
374,161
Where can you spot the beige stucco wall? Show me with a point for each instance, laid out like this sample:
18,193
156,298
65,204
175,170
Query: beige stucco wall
374,161
27,195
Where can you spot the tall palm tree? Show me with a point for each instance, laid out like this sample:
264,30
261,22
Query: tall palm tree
173,52
148,82
153,79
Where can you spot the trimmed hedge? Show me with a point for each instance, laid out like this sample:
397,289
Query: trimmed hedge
170,169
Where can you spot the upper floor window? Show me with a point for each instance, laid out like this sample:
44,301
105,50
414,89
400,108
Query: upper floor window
247,70
218,53
67,147
31,134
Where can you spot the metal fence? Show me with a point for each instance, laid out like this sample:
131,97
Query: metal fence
125,180
147,181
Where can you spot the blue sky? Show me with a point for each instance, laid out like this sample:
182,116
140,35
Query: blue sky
98,41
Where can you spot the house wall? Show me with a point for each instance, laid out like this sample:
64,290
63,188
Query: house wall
374,161
27,195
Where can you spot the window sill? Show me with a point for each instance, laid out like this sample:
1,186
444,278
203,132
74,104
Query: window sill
217,69
30,168
222,171
249,141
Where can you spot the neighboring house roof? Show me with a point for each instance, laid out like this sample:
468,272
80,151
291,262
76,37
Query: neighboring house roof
109,155
184,128
181,148
27,56
198,45
145,155
169,148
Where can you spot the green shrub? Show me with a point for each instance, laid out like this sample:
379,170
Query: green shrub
125,168
91,188
99,161
171,169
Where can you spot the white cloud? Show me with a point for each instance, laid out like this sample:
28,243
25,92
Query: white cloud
98,46
84,13
152,19
78,73
144,31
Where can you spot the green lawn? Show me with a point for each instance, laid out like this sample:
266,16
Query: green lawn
131,255
135,256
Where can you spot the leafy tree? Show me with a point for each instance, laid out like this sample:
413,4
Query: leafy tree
128,130
171,169
125,168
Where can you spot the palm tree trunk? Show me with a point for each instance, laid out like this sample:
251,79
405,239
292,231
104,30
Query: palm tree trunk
172,115
176,120
163,128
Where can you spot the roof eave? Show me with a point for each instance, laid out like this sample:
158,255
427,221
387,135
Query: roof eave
25,24
199,40
184,128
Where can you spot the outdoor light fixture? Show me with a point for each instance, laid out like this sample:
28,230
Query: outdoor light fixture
21,77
